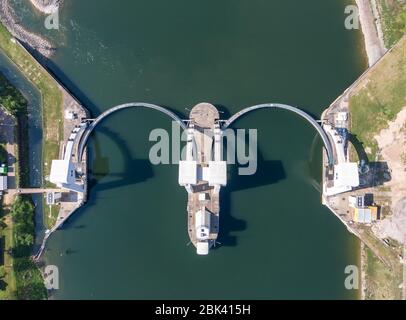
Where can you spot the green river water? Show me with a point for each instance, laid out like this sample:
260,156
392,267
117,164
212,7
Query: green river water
130,240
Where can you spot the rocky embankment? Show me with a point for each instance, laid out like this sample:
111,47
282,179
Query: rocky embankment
46,6
36,42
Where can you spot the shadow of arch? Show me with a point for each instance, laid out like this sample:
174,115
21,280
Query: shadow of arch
358,146
268,172
135,170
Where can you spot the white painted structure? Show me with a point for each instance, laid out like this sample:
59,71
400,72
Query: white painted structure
217,174
187,173
62,172
346,177
202,228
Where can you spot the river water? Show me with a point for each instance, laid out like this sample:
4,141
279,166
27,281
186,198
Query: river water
130,240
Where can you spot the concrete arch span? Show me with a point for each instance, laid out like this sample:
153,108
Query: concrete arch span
85,136
306,116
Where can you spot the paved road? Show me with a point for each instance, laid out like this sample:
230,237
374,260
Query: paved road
32,191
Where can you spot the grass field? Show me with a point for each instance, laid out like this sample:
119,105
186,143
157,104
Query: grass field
23,279
52,99
393,16
50,214
6,234
52,102
378,98
381,282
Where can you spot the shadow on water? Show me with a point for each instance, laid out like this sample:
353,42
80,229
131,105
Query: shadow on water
224,111
58,74
139,170
135,170
268,172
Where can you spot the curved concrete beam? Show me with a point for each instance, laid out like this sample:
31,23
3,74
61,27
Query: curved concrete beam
310,119
85,137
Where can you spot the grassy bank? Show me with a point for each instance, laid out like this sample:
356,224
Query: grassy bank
381,283
8,287
374,102
20,277
379,98
52,105
52,98
393,17
29,281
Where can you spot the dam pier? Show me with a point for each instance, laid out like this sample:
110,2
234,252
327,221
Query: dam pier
203,172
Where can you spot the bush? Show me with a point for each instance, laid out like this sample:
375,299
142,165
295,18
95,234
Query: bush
12,99
22,212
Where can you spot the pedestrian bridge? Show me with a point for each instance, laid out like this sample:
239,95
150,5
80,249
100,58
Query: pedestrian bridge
86,134
306,116
84,137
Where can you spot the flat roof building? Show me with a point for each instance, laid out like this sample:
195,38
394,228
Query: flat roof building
187,172
62,172
362,215
346,175
217,173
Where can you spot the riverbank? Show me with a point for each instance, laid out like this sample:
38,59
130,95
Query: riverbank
371,29
375,103
34,41
52,97
23,278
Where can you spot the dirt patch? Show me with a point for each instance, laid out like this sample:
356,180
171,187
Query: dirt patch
392,143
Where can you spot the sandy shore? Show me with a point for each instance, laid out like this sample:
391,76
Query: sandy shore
374,44
392,142
46,6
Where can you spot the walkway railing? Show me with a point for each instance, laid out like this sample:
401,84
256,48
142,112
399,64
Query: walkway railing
303,114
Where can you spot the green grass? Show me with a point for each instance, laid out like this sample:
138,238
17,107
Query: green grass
382,268
379,98
30,284
393,14
11,99
52,98
7,234
381,283
24,280
50,214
